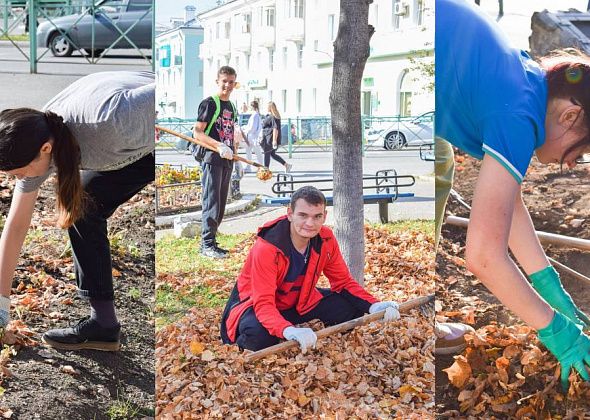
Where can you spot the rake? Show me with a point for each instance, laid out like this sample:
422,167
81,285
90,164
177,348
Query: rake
424,303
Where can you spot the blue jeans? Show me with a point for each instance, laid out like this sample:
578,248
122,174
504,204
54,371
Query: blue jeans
106,190
215,184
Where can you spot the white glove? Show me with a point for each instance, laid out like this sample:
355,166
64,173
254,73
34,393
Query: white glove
225,152
4,311
390,308
304,336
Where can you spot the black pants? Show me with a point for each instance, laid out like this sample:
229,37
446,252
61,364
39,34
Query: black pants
215,182
333,309
272,153
107,190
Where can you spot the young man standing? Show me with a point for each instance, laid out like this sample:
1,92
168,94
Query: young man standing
276,288
215,126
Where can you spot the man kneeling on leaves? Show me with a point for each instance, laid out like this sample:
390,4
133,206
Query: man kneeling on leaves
276,288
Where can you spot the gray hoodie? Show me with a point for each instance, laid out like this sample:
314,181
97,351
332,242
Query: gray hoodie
111,114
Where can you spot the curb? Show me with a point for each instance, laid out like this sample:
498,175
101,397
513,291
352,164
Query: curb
232,208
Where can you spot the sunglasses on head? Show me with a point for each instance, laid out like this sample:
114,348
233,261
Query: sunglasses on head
585,158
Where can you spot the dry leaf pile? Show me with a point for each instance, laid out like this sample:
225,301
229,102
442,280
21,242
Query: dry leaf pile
375,371
498,369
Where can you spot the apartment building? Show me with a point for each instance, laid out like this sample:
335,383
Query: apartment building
283,51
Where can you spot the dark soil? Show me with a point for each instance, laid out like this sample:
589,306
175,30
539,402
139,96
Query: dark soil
554,199
53,384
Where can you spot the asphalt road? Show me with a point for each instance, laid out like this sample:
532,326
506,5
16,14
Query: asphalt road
20,88
314,165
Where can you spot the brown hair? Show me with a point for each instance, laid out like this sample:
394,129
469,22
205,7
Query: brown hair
272,107
309,194
22,133
568,77
230,71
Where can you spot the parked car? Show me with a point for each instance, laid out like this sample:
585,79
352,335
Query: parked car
106,17
402,133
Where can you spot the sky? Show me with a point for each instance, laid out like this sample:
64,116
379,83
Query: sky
165,9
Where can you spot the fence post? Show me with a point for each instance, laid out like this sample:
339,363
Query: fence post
362,136
33,35
290,138
5,17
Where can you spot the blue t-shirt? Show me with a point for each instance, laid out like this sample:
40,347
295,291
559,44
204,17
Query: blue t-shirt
490,97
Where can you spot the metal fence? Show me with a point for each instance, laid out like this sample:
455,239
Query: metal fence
93,27
314,133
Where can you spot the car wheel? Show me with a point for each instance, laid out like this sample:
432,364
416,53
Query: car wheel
394,140
97,52
60,45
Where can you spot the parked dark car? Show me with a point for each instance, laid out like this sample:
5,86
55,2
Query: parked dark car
109,18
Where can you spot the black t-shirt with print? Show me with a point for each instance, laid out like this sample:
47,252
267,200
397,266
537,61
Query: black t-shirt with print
222,130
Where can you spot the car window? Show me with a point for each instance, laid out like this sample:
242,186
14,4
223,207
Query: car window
110,6
135,5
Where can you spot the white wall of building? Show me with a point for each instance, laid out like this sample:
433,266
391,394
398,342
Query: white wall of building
179,84
301,41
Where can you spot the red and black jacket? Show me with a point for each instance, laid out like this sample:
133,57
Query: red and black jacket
262,279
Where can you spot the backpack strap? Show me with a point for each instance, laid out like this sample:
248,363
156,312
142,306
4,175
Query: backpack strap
215,114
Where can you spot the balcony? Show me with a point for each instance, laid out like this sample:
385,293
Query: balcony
241,42
293,29
221,46
204,51
264,36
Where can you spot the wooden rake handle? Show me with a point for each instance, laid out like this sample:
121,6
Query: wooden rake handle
345,326
206,146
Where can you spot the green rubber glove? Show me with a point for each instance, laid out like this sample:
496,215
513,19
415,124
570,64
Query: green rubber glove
569,345
546,282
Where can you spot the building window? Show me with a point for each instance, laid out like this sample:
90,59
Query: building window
374,15
405,95
247,23
237,61
259,60
284,99
314,94
285,58
296,8
217,30
299,55
298,98
247,61
226,32
269,17
260,16
271,58
420,13
396,17
332,27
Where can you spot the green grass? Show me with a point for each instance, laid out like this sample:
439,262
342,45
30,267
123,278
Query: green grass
134,293
172,304
123,408
175,255
424,226
15,38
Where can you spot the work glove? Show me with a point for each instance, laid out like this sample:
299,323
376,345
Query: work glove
546,282
304,336
390,308
225,152
4,311
569,345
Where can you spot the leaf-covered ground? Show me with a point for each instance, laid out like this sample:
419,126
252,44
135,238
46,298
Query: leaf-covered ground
42,383
375,371
505,372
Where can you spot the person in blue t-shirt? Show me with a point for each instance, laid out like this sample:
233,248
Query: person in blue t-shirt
498,105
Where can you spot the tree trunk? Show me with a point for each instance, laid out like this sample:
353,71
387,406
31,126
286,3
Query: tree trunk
351,51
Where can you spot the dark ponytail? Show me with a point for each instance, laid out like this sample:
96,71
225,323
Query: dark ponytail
22,133
568,77
66,155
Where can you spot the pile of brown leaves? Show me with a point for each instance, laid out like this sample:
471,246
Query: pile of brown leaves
498,369
374,371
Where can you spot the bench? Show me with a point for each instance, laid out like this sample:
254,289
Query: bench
386,185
